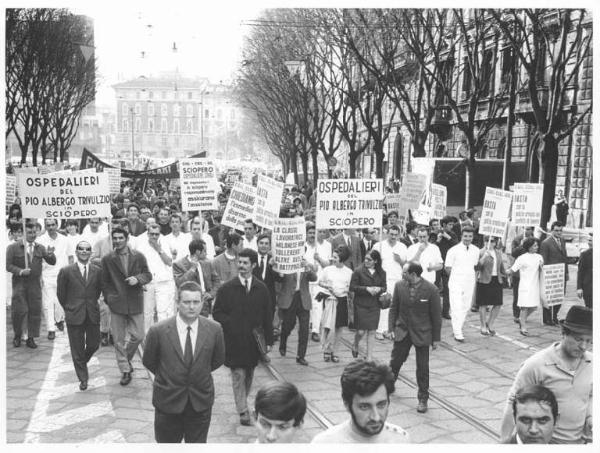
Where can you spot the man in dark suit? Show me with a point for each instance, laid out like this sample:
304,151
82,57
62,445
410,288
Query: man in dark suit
554,251
294,301
78,289
367,242
265,273
136,225
415,319
348,238
26,301
585,284
124,273
187,269
181,352
411,234
535,412
242,308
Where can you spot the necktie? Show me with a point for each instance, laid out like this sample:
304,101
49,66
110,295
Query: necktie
368,246
30,251
247,283
187,353
85,274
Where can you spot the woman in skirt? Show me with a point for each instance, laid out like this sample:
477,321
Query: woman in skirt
335,281
489,285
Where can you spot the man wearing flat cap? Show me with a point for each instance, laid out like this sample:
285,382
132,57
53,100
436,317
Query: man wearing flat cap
565,368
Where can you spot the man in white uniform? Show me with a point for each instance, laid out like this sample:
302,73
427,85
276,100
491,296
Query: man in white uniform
317,252
393,256
460,264
55,315
426,254
249,238
177,240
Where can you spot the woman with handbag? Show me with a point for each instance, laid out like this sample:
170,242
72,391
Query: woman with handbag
368,284
529,265
335,280
489,285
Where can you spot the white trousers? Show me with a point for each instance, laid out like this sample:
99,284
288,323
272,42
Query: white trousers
316,312
159,298
460,291
384,314
52,309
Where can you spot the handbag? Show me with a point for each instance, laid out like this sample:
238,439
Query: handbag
384,300
259,336
350,300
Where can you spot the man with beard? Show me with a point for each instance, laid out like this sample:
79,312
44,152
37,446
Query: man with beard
565,368
366,389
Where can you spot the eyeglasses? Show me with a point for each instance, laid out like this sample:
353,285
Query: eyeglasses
84,249
153,234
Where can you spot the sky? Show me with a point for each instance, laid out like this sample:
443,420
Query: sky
138,39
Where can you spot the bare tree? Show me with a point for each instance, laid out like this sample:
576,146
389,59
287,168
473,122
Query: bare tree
551,45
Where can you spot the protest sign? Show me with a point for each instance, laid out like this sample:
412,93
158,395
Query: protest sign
494,215
232,176
74,196
240,206
268,201
349,203
413,189
554,283
289,236
527,204
199,184
439,196
45,169
114,179
11,188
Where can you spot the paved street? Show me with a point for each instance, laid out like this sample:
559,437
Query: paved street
469,383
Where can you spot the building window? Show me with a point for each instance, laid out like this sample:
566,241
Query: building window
163,126
219,114
138,125
150,109
487,85
206,113
125,109
137,94
190,110
150,94
466,83
190,127
507,65
232,114
176,128
163,109
176,110
138,109
190,95
150,125
125,125
163,95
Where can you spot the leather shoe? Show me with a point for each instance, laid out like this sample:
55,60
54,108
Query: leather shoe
31,343
245,419
460,340
17,342
422,407
126,378
83,385
315,337
282,349
51,335
104,341
301,361
446,317
60,325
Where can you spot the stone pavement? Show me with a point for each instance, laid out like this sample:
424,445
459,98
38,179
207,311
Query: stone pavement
44,403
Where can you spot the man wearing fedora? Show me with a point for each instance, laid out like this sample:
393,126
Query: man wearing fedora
565,368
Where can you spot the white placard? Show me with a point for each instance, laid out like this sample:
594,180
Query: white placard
11,189
439,196
75,196
268,201
289,236
199,186
527,204
114,179
554,283
495,212
413,189
349,203
240,206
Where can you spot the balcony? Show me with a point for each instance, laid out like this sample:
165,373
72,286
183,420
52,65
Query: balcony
440,124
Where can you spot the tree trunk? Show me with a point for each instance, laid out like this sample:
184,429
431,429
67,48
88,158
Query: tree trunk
304,162
549,171
314,155
379,156
294,166
352,164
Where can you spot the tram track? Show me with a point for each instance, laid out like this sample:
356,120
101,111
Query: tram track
442,402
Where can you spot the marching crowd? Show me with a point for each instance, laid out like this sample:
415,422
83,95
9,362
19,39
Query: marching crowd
196,295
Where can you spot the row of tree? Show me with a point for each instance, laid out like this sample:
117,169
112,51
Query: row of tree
318,79
50,79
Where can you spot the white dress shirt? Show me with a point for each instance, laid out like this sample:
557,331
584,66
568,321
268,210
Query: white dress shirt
182,332
61,249
249,244
430,256
82,267
159,270
243,280
179,243
462,261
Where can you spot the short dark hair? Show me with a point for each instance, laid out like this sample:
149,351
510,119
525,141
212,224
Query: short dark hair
467,229
280,401
433,220
249,253
310,226
343,252
392,213
414,268
72,222
410,225
51,220
123,231
133,205
196,245
527,243
233,239
188,286
556,224
250,221
446,220
364,378
535,392
262,236
395,227
176,215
